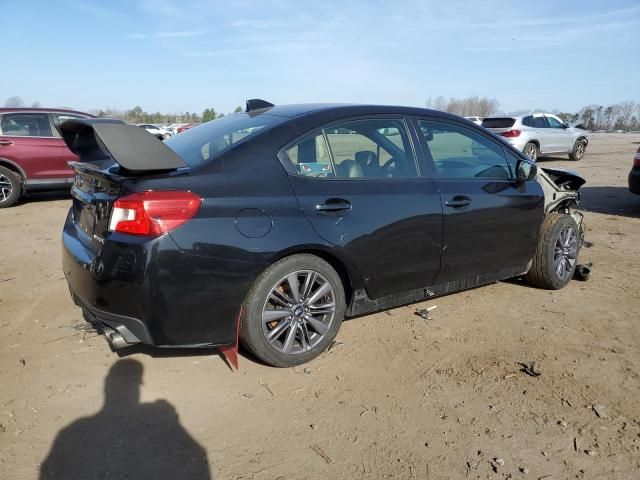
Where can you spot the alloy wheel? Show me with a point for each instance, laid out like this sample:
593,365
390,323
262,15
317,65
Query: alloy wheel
530,152
6,188
298,312
579,150
566,252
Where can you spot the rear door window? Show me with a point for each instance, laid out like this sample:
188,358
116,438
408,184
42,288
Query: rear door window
458,152
26,125
540,122
372,148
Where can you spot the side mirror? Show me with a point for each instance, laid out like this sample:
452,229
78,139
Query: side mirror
525,170
565,125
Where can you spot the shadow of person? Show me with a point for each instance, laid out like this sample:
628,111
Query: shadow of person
126,439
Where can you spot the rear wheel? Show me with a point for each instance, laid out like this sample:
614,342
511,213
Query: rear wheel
557,253
10,187
293,311
531,151
578,150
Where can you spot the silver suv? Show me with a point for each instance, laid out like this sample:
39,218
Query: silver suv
540,134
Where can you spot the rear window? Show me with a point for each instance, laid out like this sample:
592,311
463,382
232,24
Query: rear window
498,122
205,142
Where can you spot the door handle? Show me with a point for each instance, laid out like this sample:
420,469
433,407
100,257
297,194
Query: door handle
458,201
6,143
334,205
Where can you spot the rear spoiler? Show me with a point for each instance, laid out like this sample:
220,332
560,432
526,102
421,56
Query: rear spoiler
131,147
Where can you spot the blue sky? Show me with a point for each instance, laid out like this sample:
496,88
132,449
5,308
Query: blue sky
187,55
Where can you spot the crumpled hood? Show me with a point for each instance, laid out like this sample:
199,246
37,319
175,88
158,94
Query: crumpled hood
565,178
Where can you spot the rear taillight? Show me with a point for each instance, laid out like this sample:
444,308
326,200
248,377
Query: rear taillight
636,159
153,213
511,133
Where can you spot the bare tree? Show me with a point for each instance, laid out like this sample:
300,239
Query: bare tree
625,111
14,102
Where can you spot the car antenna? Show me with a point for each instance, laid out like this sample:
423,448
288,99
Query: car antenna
257,104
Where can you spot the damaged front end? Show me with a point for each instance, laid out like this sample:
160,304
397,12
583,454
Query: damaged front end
561,193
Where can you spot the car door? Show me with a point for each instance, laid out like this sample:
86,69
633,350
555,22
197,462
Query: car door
27,139
542,133
491,221
561,136
358,183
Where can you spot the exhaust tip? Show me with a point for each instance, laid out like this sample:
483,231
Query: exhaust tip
116,340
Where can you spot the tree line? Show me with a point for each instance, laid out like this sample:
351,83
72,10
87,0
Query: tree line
620,116
136,114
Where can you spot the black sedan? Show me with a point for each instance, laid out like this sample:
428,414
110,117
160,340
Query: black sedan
272,225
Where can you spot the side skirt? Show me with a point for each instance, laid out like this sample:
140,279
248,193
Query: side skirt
362,304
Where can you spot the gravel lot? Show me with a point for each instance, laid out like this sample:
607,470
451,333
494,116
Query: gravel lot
399,397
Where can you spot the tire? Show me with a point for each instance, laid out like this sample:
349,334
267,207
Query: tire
531,151
578,150
552,250
10,187
308,340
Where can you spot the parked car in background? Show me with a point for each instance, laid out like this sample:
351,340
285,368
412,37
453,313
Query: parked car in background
476,120
634,174
185,126
540,134
155,130
33,155
279,222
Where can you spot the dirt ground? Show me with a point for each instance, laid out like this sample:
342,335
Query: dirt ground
399,397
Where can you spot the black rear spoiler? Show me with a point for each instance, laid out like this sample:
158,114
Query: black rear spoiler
132,147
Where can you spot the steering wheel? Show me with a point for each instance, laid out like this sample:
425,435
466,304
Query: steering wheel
400,165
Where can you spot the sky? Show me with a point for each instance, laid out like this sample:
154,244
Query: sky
188,55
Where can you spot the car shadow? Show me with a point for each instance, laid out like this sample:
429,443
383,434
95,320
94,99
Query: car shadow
126,439
610,201
45,196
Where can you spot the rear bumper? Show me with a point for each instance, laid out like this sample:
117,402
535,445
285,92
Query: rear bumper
634,181
152,292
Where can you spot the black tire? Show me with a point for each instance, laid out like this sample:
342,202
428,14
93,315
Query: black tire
578,150
531,151
544,269
10,187
253,332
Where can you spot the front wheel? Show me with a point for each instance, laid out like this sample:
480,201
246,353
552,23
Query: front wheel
293,311
578,150
531,151
557,253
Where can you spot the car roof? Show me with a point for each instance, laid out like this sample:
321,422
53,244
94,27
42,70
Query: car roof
346,109
42,110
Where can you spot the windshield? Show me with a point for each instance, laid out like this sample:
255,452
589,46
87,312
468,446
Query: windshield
205,142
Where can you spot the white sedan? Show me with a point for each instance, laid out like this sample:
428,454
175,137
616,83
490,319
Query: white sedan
161,133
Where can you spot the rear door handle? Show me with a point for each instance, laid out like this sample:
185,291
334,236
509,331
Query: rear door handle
6,143
334,205
458,201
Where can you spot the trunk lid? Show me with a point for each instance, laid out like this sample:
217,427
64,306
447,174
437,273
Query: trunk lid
110,152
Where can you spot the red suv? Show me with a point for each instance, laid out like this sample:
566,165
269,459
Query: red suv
33,155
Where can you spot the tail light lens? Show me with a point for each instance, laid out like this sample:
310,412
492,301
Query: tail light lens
153,213
636,159
511,133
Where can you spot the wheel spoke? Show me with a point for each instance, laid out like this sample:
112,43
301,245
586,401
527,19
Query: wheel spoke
316,324
308,284
294,286
319,293
271,315
305,339
291,336
282,297
275,333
